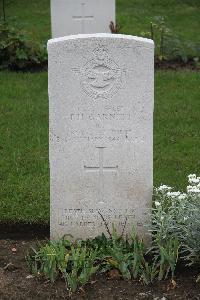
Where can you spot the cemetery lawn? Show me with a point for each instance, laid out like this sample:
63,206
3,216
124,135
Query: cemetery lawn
24,175
134,16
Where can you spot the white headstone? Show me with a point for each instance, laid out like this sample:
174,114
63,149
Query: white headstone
101,133
81,16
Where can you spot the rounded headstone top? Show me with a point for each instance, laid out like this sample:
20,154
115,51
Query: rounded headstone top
101,35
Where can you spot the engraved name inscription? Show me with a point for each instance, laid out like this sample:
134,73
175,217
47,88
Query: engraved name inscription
82,116
115,113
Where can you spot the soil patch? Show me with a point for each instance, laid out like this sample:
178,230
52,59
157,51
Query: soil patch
176,65
27,231
16,282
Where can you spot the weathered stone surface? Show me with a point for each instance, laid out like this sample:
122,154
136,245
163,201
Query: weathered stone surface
101,133
81,16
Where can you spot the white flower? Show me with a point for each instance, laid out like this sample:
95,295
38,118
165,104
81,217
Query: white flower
182,196
185,218
193,189
173,194
192,176
189,187
157,203
161,218
194,180
164,188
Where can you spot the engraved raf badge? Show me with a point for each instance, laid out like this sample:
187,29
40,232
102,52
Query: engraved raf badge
100,77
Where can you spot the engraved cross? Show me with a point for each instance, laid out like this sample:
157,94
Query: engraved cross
83,17
101,169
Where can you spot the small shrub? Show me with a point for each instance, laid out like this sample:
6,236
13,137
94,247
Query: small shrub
17,52
118,255
73,262
169,46
50,259
176,217
82,266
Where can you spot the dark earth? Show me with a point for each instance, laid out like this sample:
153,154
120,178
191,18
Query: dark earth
17,283
174,65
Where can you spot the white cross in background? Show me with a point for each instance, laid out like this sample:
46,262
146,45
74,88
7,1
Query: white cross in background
83,17
101,169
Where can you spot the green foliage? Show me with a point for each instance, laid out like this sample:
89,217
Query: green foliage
77,262
50,259
74,262
190,233
127,256
169,46
138,255
117,255
133,16
17,51
168,257
162,260
149,272
158,32
183,16
82,266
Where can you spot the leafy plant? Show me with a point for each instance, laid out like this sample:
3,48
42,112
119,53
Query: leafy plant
74,262
158,33
176,225
118,257
169,46
82,266
149,272
168,256
17,51
138,254
50,259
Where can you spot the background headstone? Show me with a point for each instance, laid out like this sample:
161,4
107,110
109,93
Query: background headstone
101,133
81,16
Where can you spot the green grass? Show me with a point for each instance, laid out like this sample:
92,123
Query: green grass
176,127
24,175
31,15
133,16
182,16
24,171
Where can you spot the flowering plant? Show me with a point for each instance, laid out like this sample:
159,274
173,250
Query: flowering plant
176,215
